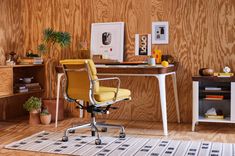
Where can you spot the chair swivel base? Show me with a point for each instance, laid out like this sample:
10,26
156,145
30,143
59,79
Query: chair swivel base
94,130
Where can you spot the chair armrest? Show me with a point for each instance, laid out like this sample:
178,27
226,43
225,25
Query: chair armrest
110,78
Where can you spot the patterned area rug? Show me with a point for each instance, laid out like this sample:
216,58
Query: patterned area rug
50,142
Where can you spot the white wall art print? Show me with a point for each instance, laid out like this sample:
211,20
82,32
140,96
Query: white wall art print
107,39
143,44
160,33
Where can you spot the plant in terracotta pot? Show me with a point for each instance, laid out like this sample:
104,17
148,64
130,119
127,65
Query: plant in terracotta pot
45,117
33,105
53,43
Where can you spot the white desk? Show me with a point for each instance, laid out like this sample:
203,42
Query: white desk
139,70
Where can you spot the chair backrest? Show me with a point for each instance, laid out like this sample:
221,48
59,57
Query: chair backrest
79,73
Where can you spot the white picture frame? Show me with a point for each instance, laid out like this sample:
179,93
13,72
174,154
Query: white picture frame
107,39
143,44
160,32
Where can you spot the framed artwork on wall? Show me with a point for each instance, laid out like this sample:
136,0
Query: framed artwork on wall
160,33
143,44
107,39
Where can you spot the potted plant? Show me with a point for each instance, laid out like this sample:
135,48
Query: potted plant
53,42
33,105
45,117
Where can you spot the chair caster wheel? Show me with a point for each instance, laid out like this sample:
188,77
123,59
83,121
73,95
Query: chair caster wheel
98,141
65,138
122,135
104,129
71,131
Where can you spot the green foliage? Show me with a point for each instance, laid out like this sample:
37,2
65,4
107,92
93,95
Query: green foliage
33,103
45,112
42,48
52,37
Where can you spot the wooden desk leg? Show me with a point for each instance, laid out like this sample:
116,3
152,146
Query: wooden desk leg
59,76
162,89
176,96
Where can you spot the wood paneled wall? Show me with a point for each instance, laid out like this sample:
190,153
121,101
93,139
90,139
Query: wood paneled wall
202,34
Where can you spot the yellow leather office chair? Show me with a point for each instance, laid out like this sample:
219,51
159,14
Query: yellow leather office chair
82,83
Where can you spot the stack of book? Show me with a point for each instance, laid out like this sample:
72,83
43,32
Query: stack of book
31,60
214,97
29,87
21,89
213,88
33,86
214,116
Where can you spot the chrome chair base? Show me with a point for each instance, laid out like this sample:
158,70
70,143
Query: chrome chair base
94,129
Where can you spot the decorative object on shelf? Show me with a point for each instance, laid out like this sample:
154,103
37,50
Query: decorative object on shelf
160,33
2,57
45,116
165,64
206,72
107,39
226,69
212,113
33,105
227,72
26,79
151,61
83,50
30,53
12,58
168,58
157,54
143,44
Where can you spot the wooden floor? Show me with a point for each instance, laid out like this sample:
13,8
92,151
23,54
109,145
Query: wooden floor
14,130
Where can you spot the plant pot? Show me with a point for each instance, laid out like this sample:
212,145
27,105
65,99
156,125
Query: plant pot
45,119
34,117
50,104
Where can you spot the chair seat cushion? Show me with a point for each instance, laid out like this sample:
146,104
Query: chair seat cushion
108,93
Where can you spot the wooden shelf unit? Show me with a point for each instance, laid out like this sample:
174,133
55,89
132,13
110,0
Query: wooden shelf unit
201,105
11,102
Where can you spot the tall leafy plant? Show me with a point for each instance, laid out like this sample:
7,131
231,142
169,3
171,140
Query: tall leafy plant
51,41
52,38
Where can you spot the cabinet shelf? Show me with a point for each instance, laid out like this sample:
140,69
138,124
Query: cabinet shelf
11,76
203,99
24,93
225,120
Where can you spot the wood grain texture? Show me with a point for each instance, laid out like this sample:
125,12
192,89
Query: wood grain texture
6,81
201,33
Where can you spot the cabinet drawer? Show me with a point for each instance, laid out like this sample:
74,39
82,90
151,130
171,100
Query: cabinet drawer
6,81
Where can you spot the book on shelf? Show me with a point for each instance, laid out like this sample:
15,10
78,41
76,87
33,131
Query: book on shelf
31,60
214,97
27,87
22,90
213,88
214,116
223,74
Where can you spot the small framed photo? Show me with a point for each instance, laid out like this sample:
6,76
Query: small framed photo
107,40
160,33
143,44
